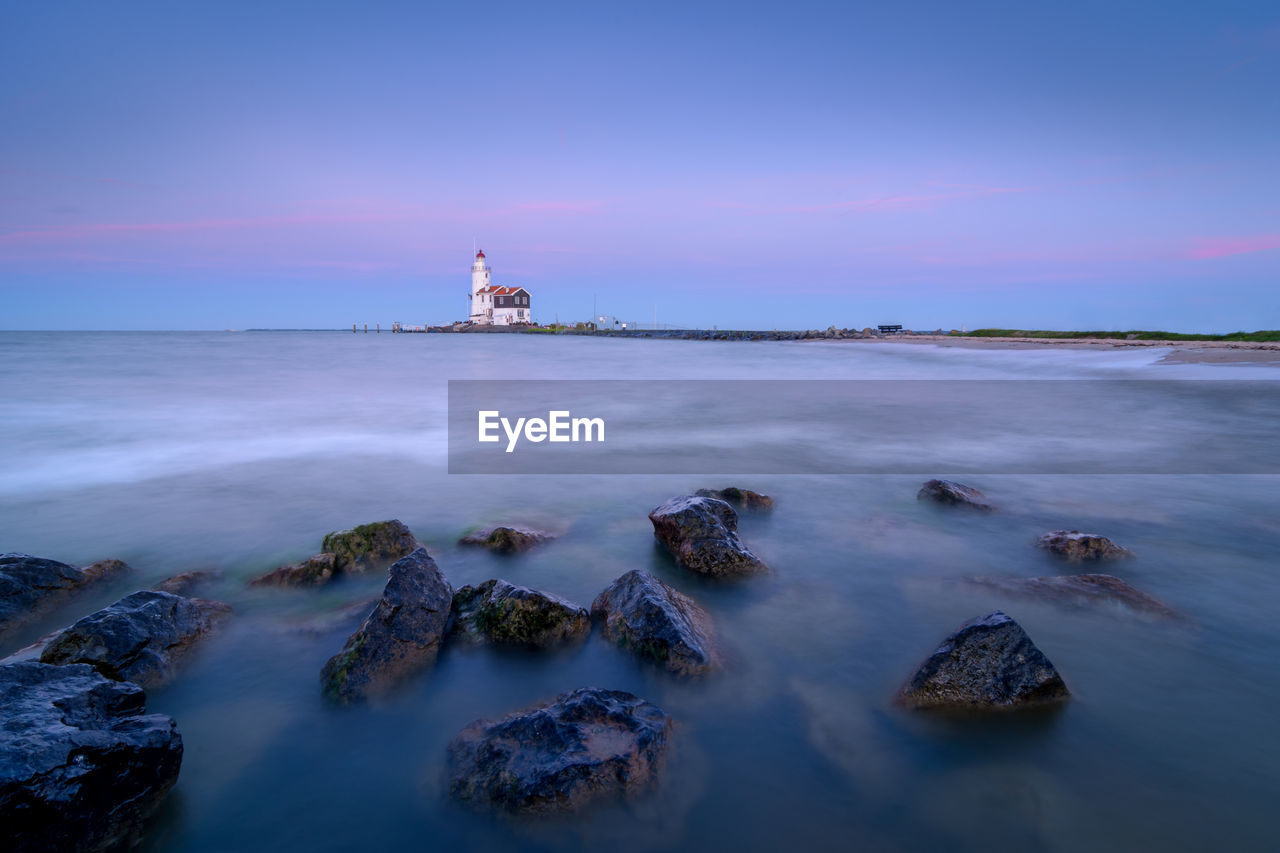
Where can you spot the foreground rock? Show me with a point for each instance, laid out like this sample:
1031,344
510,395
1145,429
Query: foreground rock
702,534
954,494
586,745
141,638
507,540
989,663
1081,591
740,498
401,636
1077,547
369,547
501,612
81,764
658,623
312,571
29,585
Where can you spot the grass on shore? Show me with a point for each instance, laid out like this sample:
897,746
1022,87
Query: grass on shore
1261,336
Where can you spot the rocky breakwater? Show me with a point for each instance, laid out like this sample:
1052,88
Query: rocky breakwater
368,547
141,638
702,535
586,745
401,636
657,623
30,585
987,664
503,613
830,333
82,765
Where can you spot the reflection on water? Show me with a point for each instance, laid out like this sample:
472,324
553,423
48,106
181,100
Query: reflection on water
236,453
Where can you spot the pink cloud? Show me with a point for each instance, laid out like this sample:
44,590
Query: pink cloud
887,202
1219,247
558,206
73,232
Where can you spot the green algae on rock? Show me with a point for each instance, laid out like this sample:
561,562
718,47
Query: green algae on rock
501,612
369,547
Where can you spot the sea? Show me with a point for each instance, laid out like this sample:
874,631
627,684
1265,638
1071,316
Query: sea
234,453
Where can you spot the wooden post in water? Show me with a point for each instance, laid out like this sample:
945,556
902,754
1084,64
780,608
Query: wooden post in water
379,328
366,328
353,328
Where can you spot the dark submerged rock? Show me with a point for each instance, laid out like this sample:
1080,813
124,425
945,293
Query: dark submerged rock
507,540
105,570
954,494
740,498
312,571
1077,547
989,663
658,623
81,764
29,585
345,617
141,638
587,744
369,547
401,636
501,612
1081,591
701,533
186,582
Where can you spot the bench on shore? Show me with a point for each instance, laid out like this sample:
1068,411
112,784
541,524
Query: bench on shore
889,329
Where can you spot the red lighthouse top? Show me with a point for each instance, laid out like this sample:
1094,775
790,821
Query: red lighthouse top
480,254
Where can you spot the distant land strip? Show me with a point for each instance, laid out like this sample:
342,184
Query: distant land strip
1266,335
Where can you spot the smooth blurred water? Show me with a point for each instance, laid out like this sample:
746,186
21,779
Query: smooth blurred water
237,452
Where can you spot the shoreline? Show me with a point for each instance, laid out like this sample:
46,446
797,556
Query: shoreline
1181,352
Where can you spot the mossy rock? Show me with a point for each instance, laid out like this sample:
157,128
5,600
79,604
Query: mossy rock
369,547
507,540
503,613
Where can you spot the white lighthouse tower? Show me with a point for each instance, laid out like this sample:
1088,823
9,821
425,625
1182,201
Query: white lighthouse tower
479,281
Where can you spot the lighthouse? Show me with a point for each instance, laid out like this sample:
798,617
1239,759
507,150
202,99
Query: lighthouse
495,306
479,274
479,281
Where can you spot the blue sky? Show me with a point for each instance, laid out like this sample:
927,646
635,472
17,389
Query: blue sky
1099,165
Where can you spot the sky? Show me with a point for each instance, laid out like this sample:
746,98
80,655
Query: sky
1085,165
